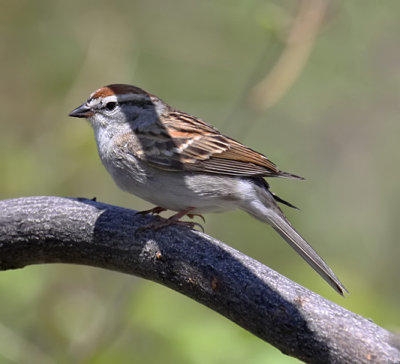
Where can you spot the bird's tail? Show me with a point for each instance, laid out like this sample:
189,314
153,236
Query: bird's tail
268,211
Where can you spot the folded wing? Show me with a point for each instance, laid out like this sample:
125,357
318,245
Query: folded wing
184,142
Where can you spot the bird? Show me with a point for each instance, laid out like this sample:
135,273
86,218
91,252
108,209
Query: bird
179,162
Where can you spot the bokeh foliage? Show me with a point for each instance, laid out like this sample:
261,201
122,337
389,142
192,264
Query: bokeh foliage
336,124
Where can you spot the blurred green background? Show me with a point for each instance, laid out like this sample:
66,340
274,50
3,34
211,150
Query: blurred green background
326,107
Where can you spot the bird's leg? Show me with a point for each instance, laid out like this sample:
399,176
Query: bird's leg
174,219
154,211
190,224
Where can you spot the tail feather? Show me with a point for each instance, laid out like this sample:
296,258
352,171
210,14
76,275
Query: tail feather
281,200
283,227
265,208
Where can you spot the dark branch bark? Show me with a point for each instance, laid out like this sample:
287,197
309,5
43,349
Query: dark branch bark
300,323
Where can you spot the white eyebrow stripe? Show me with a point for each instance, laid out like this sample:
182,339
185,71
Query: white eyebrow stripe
111,98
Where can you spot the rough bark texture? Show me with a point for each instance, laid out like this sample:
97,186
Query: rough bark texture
300,323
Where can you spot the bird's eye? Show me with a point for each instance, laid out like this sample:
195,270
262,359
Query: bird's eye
111,105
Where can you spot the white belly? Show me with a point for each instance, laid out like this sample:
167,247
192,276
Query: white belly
175,190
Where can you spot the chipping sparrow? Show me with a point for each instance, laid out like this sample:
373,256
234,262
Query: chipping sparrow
178,162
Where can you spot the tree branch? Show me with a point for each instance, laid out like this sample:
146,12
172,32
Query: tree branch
299,322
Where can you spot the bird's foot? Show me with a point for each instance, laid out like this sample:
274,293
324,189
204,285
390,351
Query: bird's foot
174,219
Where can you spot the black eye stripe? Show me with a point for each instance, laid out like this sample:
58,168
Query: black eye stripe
111,105
139,103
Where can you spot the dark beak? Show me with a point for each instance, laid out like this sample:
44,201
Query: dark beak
81,112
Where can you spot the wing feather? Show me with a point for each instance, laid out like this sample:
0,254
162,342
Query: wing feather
185,142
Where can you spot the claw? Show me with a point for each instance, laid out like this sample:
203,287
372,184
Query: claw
190,224
198,215
174,219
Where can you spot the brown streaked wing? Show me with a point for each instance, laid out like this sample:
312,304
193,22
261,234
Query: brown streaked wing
240,160
210,151
240,152
188,143
230,167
